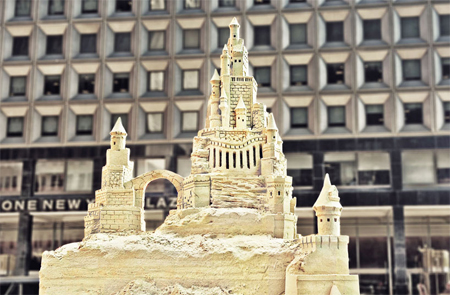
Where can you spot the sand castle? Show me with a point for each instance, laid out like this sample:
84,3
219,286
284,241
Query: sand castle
234,230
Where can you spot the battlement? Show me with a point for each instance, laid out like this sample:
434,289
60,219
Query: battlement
313,242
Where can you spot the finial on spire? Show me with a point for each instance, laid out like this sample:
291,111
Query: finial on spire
215,76
118,128
334,290
326,180
225,48
271,123
234,22
240,104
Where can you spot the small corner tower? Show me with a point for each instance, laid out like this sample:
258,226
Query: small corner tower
234,31
118,136
214,118
241,115
328,210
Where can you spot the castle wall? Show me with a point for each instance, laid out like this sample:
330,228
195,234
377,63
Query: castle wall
241,86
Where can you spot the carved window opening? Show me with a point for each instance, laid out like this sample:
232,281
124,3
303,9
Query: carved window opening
279,193
321,220
220,158
260,152
214,158
254,155
335,220
227,159
248,159
241,158
234,159
328,219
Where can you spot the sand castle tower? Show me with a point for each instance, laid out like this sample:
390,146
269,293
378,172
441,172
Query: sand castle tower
328,210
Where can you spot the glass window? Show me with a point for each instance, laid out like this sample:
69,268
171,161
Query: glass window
79,175
374,169
156,40
155,122
262,76
373,71
335,73
444,25
189,121
23,8
49,126
15,127
124,5
191,80
261,2
445,68
372,29
299,167
223,34
447,111
341,168
297,34
55,7
84,124
52,85
413,113
10,177
335,31
417,167
411,70
121,82
49,176
443,166
88,43
89,6
262,35
374,114
299,75
122,42
157,5
373,254
192,4
336,116
191,39
299,117
123,117
86,83
410,27
155,81
54,44
20,46
18,86
227,3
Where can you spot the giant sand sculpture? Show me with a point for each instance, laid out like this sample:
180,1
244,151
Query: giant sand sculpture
234,230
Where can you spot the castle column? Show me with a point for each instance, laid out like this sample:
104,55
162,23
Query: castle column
400,269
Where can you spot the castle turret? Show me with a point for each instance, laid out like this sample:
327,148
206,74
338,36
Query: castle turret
272,129
214,118
328,210
241,115
225,110
225,61
118,136
234,31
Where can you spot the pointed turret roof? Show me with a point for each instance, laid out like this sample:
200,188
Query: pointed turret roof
118,128
328,195
234,22
240,104
225,48
215,76
271,123
335,291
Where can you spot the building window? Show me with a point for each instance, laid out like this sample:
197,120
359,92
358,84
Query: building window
20,46
336,116
18,86
54,44
88,43
411,70
447,112
52,85
191,39
261,2
443,166
413,113
335,73
297,1
227,3
299,117
115,117
299,167
89,6
121,83
86,83
155,81
189,121
299,75
156,5
23,8
191,80
374,169
373,71
84,124
341,168
335,31
122,42
223,34
55,7
192,4
156,40
410,27
124,5
418,167
49,126
10,177
374,114
262,35
297,34
262,76
445,68
372,29
15,127
155,122
444,25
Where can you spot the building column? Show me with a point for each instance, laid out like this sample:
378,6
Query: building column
400,268
23,254
28,178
